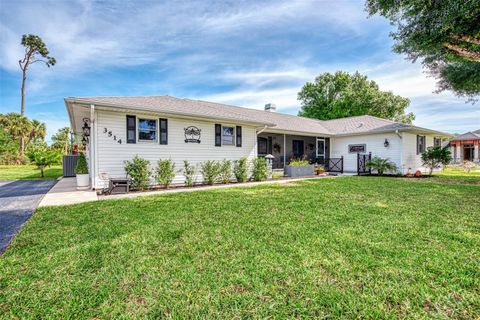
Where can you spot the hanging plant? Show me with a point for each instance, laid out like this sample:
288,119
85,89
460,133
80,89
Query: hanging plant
276,147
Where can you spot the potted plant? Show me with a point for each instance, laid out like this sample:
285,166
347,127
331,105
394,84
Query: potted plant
319,170
81,171
299,168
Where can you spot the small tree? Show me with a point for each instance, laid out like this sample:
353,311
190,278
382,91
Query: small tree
44,158
189,172
467,166
82,166
436,157
381,165
211,171
34,46
241,169
226,171
165,172
139,170
260,169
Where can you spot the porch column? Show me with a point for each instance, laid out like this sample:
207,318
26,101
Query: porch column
284,150
476,156
459,155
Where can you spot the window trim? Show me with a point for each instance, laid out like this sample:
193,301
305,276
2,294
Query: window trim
234,136
138,130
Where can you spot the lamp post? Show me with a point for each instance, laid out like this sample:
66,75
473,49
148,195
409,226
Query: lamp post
269,159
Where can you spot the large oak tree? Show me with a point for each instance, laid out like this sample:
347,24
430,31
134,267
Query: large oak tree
340,95
443,34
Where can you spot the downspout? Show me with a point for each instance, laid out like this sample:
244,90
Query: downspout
401,150
92,145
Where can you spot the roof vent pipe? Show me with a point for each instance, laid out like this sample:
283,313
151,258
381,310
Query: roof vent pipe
271,107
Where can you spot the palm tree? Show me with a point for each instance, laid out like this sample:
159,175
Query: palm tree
37,132
18,127
381,165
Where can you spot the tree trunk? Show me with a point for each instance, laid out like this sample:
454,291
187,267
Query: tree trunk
24,78
41,171
22,147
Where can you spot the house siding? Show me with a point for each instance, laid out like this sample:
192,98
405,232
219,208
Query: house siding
110,155
374,144
411,159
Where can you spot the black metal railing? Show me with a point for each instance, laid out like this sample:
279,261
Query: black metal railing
362,159
334,164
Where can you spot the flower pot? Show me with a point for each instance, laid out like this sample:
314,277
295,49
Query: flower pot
83,181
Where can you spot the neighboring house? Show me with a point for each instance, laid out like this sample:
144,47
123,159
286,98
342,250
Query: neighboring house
164,127
465,147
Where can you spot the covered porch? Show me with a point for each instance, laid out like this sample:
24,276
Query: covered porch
287,147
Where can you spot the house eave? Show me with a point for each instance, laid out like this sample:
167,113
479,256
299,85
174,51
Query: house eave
183,115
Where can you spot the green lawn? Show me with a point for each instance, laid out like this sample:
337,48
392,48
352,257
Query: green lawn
353,247
28,172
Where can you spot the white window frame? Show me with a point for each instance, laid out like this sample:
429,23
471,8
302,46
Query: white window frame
156,130
233,135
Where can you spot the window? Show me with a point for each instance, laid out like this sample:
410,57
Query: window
357,148
420,144
228,136
437,142
147,129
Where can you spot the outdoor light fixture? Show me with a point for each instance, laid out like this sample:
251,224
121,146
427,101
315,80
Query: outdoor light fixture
386,143
86,127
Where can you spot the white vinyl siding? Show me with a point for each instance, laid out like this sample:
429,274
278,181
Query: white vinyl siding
110,154
411,159
374,144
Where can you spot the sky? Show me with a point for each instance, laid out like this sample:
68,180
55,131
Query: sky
244,53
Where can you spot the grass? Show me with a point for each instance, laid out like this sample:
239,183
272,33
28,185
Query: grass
353,247
28,172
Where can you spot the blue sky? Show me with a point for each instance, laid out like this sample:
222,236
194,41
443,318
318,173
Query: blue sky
240,52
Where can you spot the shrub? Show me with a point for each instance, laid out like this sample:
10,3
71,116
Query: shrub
165,172
139,170
381,165
435,157
298,163
226,171
211,171
260,169
241,169
82,166
189,172
45,158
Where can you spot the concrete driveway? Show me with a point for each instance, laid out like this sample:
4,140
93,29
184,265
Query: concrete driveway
18,201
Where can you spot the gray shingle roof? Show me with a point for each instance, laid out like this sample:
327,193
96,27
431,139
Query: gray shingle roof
468,136
274,120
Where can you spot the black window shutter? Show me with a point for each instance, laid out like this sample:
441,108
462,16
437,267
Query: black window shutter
270,145
163,131
218,135
239,136
131,129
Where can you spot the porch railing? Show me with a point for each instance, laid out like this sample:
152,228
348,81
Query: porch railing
334,164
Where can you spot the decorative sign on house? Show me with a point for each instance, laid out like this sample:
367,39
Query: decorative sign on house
357,148
192,134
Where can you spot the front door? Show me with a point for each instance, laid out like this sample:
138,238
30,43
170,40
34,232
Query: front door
468,152
321,151
297,148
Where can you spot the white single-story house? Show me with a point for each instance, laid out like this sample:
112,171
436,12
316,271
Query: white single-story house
163,127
